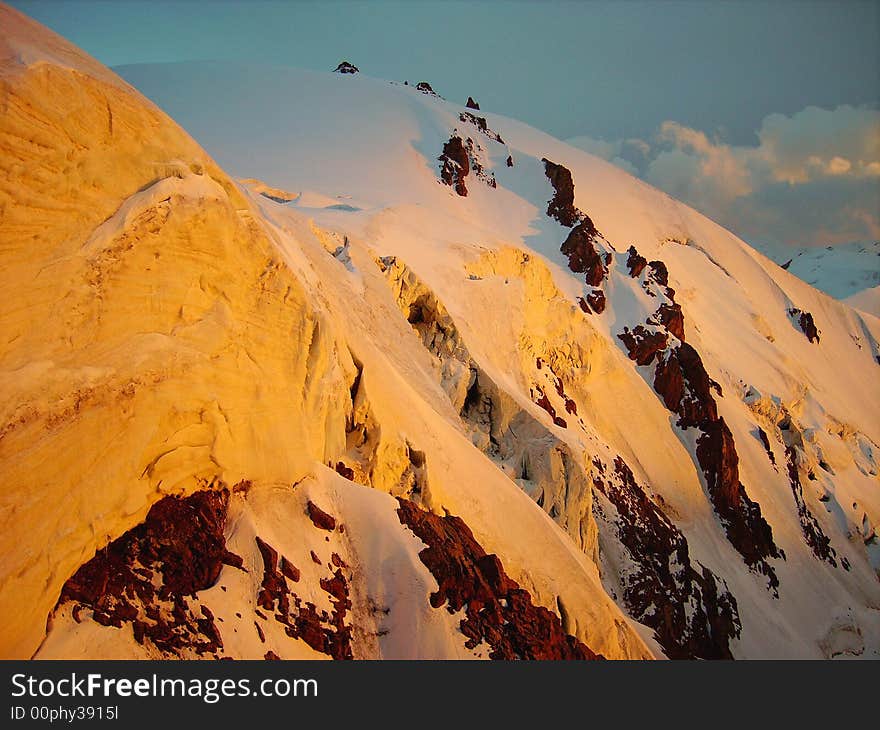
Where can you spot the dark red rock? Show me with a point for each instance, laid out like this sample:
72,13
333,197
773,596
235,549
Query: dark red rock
814,536
596,300
320,518
635,263
455,165
691,610
682,381
289,570
481,124
273,589
425,88
309,629
269,555
561,205
471,104
716,452
643,344
271,656
497,611
806,323
672,318
509,161
659,272
545,403
344,470
558,385
327,634
746,528
809,327
182,542
583,258
669,382
336,586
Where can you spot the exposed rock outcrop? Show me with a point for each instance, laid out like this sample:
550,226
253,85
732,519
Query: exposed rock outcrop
818,541
455,165
497,611
635,262
746,527
471,104
803,457
147,577
643,344
582,247
561,206
461,157
540,399
804,321
596,300
691,610
671,318
583,258
323,632
681,380
686,388
320,518
481,124
346,68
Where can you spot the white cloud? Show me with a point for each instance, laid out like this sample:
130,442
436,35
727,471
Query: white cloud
811,179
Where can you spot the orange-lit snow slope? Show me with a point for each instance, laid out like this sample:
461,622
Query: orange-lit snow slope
426,383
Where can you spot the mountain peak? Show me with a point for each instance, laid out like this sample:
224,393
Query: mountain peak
346,68
431,405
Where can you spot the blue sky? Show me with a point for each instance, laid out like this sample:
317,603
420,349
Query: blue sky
784,92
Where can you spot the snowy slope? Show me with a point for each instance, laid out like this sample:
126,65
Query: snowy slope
295,130
526,385
867,300
841,271
189,362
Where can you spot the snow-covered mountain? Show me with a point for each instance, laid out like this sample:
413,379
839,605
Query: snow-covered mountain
427,382
867,300
848,271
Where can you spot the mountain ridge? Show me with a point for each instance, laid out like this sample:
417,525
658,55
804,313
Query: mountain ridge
444,349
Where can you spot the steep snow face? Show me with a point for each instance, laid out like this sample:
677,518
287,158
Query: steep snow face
740,402
135,269
564,414
867,301
178,370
